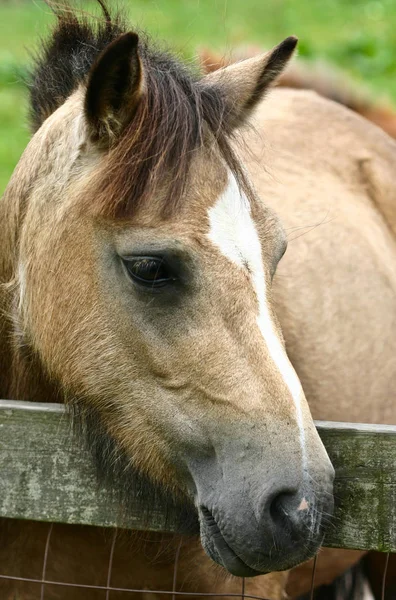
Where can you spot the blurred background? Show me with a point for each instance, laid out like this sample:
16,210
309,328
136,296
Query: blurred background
357,36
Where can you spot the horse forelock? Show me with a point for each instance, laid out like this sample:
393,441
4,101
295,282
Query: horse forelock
152,161
177,114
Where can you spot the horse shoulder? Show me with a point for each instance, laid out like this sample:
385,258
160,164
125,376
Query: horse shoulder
313,130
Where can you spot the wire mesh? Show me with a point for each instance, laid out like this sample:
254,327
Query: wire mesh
108,588
383,586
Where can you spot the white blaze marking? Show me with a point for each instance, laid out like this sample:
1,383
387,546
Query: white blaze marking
233,231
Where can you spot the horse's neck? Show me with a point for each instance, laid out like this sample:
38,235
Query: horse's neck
26,379
5,356
6,278
21,374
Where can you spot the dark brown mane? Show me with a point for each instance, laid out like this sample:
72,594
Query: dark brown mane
173,119
63,61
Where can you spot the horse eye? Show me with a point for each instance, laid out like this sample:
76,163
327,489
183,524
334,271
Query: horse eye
149,271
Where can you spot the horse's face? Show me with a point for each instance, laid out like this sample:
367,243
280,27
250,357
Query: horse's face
166,326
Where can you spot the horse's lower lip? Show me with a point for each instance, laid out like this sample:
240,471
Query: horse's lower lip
235,565
219,550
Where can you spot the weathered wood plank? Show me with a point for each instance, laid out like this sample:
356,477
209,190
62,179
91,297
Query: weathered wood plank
46,475
364,457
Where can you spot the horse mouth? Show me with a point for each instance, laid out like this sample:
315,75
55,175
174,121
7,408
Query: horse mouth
219,550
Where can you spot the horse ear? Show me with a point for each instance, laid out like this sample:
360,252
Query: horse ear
245,83
114,88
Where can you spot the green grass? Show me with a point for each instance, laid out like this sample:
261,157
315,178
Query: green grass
357,35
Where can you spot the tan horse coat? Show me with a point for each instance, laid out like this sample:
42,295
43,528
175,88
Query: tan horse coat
330,176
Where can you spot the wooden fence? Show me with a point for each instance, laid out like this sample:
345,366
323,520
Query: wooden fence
46,475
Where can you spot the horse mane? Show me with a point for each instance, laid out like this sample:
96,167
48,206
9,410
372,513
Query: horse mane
63,61
173,119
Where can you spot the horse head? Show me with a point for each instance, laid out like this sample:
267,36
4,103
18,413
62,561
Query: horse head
143,262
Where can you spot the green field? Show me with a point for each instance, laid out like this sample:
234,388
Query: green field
357,35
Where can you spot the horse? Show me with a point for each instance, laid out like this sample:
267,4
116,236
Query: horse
142,284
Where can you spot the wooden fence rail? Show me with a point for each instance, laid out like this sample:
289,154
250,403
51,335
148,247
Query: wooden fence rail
46,475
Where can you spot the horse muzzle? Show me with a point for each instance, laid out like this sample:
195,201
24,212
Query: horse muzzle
289,531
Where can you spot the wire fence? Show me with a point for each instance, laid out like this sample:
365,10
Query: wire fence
108,588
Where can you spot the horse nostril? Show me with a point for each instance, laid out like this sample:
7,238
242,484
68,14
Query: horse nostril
282,507
290,513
